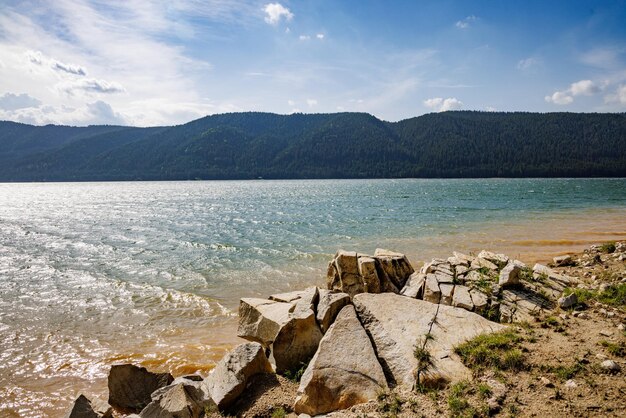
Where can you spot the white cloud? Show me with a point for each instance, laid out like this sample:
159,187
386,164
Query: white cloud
311,102
69,68
527,63
10,101
320,36
90,85
579,88
37,58
465,23
491,109
304,37
439,104
291,103
618,97
275,12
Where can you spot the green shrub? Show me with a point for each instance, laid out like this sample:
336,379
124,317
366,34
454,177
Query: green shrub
498,350
608,247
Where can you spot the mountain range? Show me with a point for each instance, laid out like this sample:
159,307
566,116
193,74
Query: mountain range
255,145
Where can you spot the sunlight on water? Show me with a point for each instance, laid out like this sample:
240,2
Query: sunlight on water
97,273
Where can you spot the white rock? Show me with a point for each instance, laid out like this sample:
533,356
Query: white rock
566,302
414,287
344,370
330,304
610,365
461,298
396,324
509,276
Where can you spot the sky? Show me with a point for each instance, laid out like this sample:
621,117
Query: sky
148,63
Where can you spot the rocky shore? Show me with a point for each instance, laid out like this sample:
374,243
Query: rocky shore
467,335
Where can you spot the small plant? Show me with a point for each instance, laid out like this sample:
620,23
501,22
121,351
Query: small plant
615,349
566,372
458,403
484,390
499,351
526,274
608,247
279,412
295,375
614,295
389,404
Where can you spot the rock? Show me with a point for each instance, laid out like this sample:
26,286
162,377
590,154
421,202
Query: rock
480,300
546,382
620,327
229,378
447,291
261,319
497,259
287,297
606,333
610,366
344,275
509,276
184,398
367,269
461,298
330,304
85,408
414,287
456,261
479,263
563,261
498,393
461,270
344,370
431,289
297,340
570,384
130,386
395,265
566,302
396,324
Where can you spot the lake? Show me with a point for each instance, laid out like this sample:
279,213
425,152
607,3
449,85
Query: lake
151,272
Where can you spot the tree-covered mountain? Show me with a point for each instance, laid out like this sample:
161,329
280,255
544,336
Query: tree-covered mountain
341,145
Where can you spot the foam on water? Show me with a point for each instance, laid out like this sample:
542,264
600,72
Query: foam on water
97,273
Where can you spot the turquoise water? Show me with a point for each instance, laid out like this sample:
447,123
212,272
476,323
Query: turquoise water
91,273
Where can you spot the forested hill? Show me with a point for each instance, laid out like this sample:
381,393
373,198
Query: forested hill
342,145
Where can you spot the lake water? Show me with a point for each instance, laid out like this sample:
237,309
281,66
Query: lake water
151,272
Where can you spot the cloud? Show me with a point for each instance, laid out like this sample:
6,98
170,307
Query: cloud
275,12
311,102
603,57
102,113
491,109
90,85
96,113
10,101
527,63
618,97
69,68
579,88
37,58
291,103
304,37
439,104
466,23
320,36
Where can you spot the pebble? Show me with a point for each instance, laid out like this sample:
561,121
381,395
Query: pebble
546,382
563,316
610,366
610,314
571,384
600,356
606,333
620,327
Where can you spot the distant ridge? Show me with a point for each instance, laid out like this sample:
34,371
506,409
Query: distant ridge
342,145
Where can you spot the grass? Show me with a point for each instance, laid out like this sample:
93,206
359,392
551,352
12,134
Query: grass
295,375
613,295
566,372
499,351
615,349
389,404
526,274
279,412
458,402
608,247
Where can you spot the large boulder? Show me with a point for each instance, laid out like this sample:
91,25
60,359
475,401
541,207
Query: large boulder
182,399
260,320
85,408
396,324
130,386
344,370
414,287
329,306
344,275
395,266
509,275
229,378
297,340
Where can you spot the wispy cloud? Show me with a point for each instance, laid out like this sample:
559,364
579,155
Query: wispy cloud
466,23
10,101
90,85
527,63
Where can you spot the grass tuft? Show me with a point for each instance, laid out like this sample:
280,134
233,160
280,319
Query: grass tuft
499,351
608,247
615,349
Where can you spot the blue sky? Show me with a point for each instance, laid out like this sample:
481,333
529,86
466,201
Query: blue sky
144,63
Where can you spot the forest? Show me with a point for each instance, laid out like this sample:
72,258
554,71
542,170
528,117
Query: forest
254,145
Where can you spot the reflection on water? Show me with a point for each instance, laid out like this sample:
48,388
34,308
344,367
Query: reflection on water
97,273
